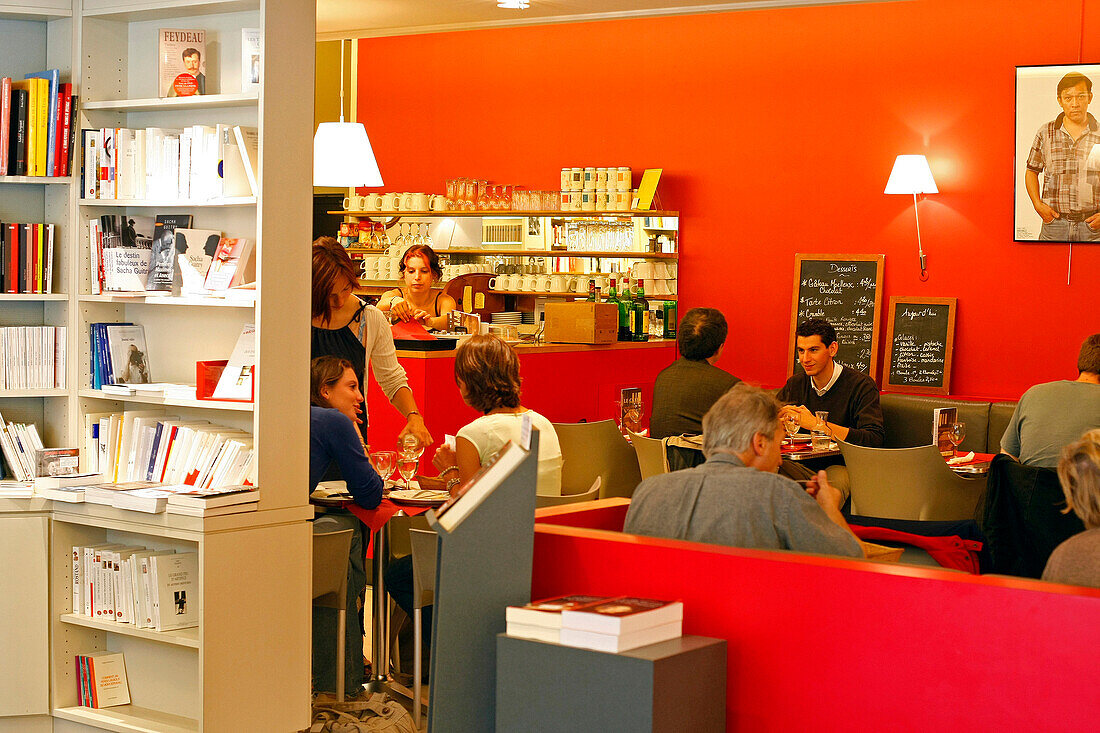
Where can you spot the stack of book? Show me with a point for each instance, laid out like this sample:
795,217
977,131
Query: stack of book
150,589
18,444
604,624
102,680
37,137
32,357
213,502
26,258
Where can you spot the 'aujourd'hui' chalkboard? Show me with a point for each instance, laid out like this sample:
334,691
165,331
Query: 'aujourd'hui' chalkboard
920,338
845,291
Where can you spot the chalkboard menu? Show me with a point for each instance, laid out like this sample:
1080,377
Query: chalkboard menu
920,338
845,291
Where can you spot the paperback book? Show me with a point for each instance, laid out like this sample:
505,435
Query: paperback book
163,256
182,62
128,354
195,250
251,59
942,419
102,680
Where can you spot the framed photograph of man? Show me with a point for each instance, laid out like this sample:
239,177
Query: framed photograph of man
1057,180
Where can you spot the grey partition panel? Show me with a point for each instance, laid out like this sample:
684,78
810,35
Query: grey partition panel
484,567
677,685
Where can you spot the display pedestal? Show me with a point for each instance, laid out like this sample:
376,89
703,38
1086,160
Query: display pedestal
674,686
484,566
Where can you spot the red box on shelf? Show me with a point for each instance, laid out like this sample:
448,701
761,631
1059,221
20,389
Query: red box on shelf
207,374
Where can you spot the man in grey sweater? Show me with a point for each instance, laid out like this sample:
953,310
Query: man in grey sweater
736,498
1054,414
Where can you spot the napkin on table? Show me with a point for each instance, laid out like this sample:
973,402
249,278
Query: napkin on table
961,459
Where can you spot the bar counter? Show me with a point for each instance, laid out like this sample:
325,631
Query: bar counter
563,382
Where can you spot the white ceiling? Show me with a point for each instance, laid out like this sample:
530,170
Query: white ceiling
370,18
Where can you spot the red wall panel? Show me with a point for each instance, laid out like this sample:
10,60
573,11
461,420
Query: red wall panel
776,130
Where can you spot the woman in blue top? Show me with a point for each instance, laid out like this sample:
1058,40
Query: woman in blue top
335,404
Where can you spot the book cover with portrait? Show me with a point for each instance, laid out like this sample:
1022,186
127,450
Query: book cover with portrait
182,62
129,354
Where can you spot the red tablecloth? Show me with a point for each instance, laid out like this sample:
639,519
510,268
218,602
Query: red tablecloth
376,518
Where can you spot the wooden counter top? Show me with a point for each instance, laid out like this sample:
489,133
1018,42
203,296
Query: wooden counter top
523,349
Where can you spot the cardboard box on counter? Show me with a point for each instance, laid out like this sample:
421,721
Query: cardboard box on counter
582,323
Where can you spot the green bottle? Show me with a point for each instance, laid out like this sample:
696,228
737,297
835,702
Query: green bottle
640,315
612,296
625,306
591,292
670,319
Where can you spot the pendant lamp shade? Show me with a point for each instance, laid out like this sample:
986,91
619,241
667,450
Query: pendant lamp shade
343,157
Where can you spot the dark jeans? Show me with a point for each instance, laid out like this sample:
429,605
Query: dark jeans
399,584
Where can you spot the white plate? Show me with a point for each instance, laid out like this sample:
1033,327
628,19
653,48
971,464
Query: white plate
422,496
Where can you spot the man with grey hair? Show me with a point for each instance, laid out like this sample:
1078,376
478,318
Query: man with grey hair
736,498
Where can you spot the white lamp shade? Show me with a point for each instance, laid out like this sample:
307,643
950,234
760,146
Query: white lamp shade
342,156
910,175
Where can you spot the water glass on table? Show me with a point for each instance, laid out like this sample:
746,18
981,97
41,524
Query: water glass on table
956,435
819,436
383,462
791,424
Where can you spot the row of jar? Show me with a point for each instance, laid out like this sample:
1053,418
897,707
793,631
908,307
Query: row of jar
593,179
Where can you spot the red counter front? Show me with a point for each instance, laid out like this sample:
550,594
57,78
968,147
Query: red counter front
563,382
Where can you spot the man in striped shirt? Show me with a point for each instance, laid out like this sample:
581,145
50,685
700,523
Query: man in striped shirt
1063,152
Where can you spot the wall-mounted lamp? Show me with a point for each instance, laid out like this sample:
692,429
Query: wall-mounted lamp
342,155
911,175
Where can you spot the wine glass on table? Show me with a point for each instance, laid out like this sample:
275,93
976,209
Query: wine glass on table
383,462
406,465
791,425
956,435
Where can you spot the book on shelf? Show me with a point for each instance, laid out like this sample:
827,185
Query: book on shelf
151,500
195,251
181,55
129,354
26,254
104,494
65,132
5,123
70,494
237,176
127,244
248,143
10,489
18,444
163,258
174,590
17,131
107,150
32,357
229,265
52,77
942,420
252,54
31,87
102,680
192,498
57,464
235,382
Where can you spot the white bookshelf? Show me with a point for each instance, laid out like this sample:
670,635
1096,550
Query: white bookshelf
253,565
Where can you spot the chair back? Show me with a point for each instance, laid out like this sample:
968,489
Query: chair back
424,543
652,456
330,568
591,450
592,494
908,483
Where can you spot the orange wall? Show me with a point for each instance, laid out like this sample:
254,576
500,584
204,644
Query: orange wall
776,130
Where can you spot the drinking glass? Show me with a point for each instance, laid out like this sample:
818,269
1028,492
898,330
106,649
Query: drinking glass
484,196
452,192
819,436
410,445
383,462
958,432
469,194
791,424
406,466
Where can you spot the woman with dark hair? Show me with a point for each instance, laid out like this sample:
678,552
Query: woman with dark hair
487,374
345,327
416,301
334,408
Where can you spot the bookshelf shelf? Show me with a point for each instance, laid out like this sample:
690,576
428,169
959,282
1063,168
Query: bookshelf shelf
14,393
156,104
169,401
128,719
171,203
183,637
168,300
138,10
33,297
36,179
38,10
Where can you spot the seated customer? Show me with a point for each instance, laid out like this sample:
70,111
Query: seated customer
1077,560
736,498
824,384
334,441
1050,415
686,388
487,373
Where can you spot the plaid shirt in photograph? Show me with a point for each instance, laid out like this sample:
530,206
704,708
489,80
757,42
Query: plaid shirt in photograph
1068,186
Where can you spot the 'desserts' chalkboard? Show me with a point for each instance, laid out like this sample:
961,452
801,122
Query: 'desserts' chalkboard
920,338
845,290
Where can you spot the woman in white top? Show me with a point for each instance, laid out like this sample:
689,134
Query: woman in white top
487,373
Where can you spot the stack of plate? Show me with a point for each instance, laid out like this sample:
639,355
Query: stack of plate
511,317
529,317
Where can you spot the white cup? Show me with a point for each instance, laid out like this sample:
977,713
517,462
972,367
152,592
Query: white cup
372,202
660,271
542,283
528,283
662,288
497,282
643,271
558,284
580,285
353,203
651,285
416,201
391,202
438,203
